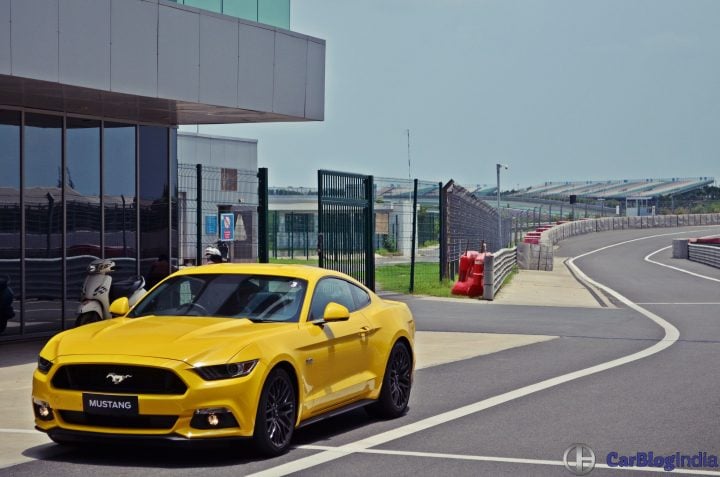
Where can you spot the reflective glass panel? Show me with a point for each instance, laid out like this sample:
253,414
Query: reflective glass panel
274,12
9,222
154,205
212,5
43,222
120,198
247,9
82,202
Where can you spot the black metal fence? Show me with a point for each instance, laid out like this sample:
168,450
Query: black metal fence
407,234
469,223
345,224
218,206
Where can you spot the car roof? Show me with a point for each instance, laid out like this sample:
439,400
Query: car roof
306,272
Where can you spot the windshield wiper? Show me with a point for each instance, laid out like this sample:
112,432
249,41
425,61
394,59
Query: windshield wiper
260,320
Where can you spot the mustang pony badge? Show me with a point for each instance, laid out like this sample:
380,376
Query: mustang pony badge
117,378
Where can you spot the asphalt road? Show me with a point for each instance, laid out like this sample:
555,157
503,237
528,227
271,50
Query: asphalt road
513,412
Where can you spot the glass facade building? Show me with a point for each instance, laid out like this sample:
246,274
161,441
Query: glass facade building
74,189
270,12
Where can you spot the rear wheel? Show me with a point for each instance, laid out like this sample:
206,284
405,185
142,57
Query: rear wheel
396,385
87,317
276,414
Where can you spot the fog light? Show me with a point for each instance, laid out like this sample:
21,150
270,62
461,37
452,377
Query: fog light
213,418
43,411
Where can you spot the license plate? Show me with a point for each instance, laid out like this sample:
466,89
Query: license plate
110,405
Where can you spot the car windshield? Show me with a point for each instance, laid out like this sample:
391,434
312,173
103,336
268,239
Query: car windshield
258,298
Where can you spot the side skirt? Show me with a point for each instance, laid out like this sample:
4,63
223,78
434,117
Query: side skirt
336,412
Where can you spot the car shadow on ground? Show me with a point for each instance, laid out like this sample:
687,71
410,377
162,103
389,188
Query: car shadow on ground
167,455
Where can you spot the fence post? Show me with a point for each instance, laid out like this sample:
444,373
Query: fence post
443,231
370,234
489,277
414,237
198,215
263,251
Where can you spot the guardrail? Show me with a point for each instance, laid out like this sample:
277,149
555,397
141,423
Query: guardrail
707,254
544,250
497,267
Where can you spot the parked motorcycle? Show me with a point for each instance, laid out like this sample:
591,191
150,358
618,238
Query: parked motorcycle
99,290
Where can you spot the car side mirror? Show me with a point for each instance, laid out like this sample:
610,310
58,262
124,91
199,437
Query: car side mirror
336,312
120,307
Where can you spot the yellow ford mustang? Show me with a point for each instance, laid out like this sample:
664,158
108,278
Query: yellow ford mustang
228,351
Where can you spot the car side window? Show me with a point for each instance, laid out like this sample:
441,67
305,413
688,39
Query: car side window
331,289
361,297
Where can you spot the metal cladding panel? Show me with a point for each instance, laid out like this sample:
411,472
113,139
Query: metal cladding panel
178,54
290,74
218,60
133,53
255,70
315,89
5,56
35,39
85,43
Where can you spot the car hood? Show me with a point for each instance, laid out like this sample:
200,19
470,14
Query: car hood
194,340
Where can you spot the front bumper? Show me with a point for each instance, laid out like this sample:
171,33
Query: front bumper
67,436
69,422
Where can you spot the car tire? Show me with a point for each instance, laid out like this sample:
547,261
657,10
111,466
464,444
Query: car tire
276,414
396,385
87,317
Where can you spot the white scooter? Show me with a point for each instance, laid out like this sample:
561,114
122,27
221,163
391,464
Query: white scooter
99,291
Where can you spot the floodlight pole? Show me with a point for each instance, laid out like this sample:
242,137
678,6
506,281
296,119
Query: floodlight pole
499,166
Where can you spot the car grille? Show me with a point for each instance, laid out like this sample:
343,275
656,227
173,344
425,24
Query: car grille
137,379
125,422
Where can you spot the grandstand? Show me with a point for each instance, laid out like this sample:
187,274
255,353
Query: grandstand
615,189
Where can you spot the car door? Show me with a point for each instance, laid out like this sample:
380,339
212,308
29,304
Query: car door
336,355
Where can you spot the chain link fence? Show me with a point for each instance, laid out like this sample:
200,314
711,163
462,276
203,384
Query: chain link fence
217,206
407,234
470,223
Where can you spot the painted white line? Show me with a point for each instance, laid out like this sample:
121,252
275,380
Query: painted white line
671,336
684,303
508,460
647,259
17,431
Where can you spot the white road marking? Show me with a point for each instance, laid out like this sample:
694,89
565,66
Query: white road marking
671,336
684,303
18,431
509,460
647,259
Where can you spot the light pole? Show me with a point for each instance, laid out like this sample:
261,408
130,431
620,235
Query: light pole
499,166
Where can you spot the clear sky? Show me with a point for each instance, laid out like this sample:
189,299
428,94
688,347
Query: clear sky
557,89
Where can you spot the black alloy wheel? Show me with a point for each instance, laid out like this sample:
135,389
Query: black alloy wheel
396,386
276,414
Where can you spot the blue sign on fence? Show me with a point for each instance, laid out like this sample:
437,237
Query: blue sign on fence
227,227
211,225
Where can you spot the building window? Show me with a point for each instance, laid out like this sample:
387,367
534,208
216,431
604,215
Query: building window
228,179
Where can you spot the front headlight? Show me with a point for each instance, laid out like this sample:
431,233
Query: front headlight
44,365
226,371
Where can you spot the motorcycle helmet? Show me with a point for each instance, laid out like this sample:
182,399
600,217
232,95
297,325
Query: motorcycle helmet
213,255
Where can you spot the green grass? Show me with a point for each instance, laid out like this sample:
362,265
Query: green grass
396,278
295,261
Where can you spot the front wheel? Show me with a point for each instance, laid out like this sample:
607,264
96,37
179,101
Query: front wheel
396,385
87,317
276,414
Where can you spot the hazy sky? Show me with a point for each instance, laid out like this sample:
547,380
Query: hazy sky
559,90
